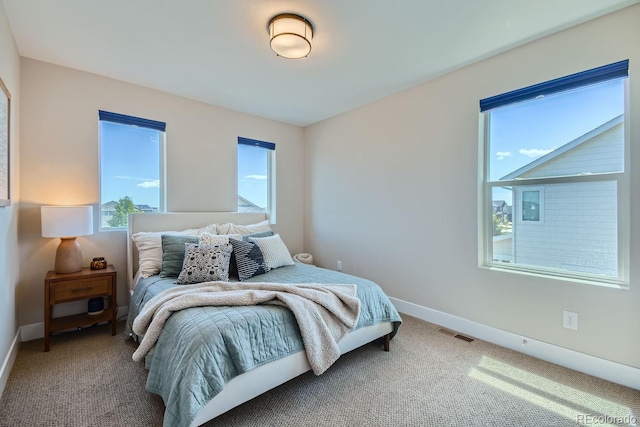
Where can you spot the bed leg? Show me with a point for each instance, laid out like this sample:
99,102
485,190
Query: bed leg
387,340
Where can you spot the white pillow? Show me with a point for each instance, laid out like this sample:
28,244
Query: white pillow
230,228
149,246
211,229
217,239
274,251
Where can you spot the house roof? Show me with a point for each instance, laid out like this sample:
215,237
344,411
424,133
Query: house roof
109,205
217,51
572,145
246,202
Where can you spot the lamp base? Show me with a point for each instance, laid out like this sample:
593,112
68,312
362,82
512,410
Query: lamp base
68,256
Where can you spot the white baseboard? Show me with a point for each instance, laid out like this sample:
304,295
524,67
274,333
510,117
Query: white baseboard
601,368
36,330
31,332
7,364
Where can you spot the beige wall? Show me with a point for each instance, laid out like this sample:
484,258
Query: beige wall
392,190
9,262
60,164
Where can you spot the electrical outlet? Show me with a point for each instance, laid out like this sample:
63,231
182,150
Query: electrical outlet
339,265
570,320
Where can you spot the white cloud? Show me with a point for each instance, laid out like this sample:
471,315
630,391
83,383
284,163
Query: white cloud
259,177
150,184
502,154
535,152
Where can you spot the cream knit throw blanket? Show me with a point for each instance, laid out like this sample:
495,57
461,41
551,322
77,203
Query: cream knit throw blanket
304,258
325,313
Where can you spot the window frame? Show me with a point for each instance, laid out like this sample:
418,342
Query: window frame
127,120
485,195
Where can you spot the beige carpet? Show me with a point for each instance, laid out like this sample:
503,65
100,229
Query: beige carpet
428,379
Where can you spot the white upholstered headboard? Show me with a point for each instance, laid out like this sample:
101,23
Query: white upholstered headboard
177,221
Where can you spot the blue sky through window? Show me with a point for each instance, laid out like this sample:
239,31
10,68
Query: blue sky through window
130,163
253,175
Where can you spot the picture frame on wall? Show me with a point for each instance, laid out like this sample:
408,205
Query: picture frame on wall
5,120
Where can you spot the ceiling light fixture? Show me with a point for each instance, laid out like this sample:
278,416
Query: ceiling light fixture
290,35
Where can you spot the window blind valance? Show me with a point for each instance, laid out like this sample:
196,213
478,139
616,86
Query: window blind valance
256,143
583,78
130,120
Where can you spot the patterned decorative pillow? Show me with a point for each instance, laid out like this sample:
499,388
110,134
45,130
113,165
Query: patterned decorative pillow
217,239
204,263
249,259
173,253
274,250
222,239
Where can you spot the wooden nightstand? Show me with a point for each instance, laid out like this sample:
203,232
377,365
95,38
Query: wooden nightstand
82,285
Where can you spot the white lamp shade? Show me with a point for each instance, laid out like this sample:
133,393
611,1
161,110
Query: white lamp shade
290,36
66,221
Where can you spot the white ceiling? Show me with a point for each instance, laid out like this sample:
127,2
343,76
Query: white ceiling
217,51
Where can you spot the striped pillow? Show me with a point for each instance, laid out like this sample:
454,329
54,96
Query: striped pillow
248,259
274,250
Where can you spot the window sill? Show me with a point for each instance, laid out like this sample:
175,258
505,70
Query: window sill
611,283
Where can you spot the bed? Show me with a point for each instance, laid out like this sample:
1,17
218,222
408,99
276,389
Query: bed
210,359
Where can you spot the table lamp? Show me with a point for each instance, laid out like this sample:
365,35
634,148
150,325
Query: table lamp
67,222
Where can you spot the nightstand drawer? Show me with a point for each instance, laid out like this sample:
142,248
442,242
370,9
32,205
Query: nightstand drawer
80,288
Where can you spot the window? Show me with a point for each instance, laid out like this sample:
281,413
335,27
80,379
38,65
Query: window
530,202
555,186
131,167
256,183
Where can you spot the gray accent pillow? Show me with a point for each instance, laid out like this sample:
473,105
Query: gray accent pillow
268,233
205,263
173,253
248,258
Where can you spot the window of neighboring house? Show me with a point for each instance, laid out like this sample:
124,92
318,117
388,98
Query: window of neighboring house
131,167
530,203
256,176
557,154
